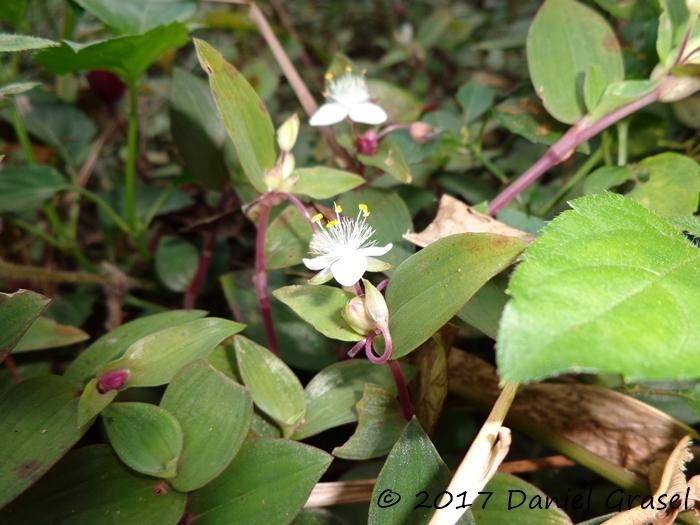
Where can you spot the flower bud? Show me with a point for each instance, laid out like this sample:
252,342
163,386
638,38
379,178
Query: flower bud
367,143
693,6
288,132
287,164
112,380
421,132
106,85
356,315
375,304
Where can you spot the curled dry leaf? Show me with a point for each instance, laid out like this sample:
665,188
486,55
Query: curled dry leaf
453,216
617,436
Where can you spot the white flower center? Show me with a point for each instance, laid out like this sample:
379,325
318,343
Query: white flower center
348,90
342,237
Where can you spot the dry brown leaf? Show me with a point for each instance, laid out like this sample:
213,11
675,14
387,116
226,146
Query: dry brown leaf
453,216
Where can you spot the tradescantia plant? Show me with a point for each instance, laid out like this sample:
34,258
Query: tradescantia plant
346,354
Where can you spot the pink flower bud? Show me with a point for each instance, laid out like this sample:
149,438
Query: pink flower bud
367,143
112,380
421,132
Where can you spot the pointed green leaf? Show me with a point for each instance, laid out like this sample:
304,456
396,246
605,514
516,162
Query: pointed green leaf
320,306
268,482
320,182
154,360
483,311
413,465
214,414
609,287
25,188
475,99
243,114
91,485
17,88
10,43
17,312
564,40
137,16
145,437
92,402
113,344
432,285
617,94
37,427
389,159
379,425
46,333
272,385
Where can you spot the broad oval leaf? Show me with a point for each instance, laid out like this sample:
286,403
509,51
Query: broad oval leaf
137,16
37,427
243,114
90,485
25,188
320,182
176,262
268,482
17,312
145,437
154,360
272,385
214,413
608,287
431,286
564,40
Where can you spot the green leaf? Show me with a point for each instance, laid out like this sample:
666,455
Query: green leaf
516,120
92,402
333,393
10,43
320,306
320,182
126,56
145,437
564,40
413,464
389,159
672,186
197,130
432,285
46,333
617,94
154,359
287,239
400,105
137,16
606,177
17,88
17,312
24,188
37,427
90,485
272,385
512,500
475,99
176,262
379,425
113,344
268,482
608,287
483,311
14,12
214,414
243,114
593,87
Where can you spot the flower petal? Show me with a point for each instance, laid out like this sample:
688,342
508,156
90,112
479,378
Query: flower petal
374,251
367,113
319,263
327,114
349,268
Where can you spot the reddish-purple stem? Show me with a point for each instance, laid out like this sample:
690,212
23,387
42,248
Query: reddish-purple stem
404,398
12,369
387,347
260,276
188,300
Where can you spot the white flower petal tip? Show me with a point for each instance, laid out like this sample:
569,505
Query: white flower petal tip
344,249
348,96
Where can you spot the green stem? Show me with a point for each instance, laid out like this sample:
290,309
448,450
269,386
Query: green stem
490,166
105,207
130,173
22,135
622,133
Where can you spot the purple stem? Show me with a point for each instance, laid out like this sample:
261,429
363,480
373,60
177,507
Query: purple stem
260,276
302,209
357,347
562,149
387,347
188,301
404,398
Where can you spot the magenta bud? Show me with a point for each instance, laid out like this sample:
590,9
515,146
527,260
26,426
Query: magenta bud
367,143
112,380
106,85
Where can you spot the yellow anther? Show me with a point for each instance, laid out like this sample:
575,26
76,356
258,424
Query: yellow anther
348,69
328,75
364,209
317,218
331,223
338,208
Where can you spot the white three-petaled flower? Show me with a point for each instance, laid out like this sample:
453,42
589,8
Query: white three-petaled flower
348,96
344,249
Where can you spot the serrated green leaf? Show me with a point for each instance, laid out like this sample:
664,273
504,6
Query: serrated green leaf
25,188
91,485
272,385
268,482
413,464
17,312
46,333
320,306
113,344
608,287
564,40
137,16
145,437
11,43
214,413
37,427
320,182
432,285
243,114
